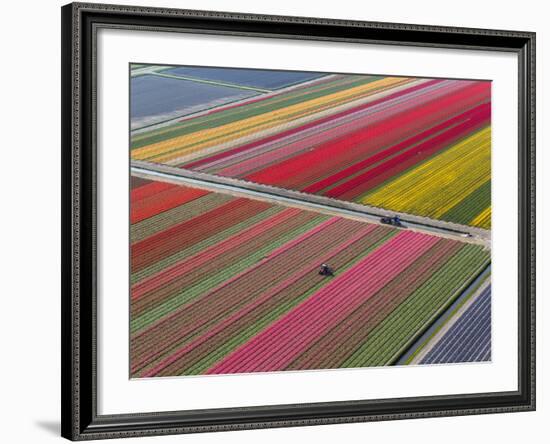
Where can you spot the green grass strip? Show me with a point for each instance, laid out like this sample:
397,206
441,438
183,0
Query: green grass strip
472,205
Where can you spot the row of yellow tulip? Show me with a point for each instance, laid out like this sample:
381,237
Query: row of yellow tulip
438,185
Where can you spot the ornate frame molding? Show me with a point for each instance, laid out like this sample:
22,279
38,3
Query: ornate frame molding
80,22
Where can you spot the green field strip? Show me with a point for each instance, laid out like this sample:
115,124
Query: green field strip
394,332
472,205
211,281
249,332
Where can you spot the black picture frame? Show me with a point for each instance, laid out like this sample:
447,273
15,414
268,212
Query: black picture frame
80,22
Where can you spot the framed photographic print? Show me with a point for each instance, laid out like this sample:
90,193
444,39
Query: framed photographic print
279,221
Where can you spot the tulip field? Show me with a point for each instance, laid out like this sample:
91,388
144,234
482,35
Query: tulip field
411,145
223,284
465,338
230,277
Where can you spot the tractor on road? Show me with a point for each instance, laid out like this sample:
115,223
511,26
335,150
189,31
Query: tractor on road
394,221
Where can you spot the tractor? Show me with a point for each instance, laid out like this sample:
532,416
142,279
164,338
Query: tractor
394,221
